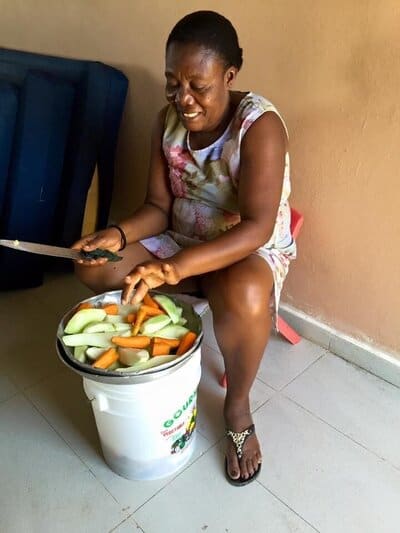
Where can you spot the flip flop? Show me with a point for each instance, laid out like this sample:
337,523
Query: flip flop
238,439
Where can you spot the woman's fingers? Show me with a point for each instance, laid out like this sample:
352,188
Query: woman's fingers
130,283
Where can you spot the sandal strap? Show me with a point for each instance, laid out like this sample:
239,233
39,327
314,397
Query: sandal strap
239,438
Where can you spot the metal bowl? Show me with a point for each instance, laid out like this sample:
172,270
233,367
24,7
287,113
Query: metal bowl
96,374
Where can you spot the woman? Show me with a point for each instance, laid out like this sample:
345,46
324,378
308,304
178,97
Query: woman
216,216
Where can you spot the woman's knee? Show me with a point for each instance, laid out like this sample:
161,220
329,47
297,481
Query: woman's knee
243,289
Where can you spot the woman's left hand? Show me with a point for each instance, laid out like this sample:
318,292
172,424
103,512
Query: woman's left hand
148,275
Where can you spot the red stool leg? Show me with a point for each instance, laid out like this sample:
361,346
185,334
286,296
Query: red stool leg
286,331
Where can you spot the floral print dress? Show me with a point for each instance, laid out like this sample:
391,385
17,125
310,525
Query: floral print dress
205,186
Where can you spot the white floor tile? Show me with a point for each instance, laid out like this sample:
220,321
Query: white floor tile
7,389
44,486
282,361
339,393
63,402
333,483
201,500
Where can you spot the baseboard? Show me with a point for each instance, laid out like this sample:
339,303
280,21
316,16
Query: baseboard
379,362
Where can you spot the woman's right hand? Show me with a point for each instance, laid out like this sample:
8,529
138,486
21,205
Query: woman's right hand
106,239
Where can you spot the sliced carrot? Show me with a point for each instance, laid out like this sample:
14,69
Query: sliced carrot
141,315
186,343
173,343
139,341
148,300
160,348
111,309
152,311
131,318
84,305
106,359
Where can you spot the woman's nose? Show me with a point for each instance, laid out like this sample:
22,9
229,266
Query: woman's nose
183,97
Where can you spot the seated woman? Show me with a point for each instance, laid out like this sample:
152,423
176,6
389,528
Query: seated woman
216,216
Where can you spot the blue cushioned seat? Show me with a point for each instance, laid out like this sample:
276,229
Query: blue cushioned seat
35,174
8,113
90,138
100,97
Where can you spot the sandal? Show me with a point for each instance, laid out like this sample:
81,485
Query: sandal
238,439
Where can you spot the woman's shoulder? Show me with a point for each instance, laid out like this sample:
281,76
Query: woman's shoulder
253,106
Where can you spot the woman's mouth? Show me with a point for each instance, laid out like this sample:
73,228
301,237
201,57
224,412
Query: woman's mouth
190,116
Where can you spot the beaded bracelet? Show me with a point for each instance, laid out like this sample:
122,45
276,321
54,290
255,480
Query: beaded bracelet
123,236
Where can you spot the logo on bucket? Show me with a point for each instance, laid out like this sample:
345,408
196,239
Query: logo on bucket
181,433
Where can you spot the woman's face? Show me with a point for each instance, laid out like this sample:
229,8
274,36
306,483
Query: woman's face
198,85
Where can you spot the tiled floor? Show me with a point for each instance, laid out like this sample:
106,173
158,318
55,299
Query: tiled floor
330,434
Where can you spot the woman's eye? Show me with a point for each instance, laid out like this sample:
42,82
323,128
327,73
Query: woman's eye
199,89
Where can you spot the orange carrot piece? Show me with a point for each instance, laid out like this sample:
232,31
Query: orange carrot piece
186,343
139,341
141,315
173,343
84,305
111,309
148,300
160,348
106,359
152,311
131,318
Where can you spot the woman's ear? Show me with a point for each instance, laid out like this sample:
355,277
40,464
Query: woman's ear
230,76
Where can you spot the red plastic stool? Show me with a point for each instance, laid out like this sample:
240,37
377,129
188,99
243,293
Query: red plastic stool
296,221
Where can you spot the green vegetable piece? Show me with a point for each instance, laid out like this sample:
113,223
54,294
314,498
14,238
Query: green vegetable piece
79,353
99,327
82,318
99,253
172,332
150,363
131,356
172,310
154,323
94,353
101,340
122,326
114,319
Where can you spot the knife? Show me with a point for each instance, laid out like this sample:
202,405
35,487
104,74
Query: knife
58,251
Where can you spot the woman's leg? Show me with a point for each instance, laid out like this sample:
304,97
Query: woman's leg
239,298
110,276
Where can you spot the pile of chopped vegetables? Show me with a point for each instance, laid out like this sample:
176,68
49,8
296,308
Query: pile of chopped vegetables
128,338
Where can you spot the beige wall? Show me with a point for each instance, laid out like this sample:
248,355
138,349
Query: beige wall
332,68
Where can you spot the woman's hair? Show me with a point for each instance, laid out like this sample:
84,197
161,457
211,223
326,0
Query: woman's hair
212,31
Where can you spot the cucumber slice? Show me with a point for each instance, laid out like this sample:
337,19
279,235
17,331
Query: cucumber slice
154,323
101,340
172,310
99,327
114,319
94,353
79,353
122,326
172,332
131,356
82,318
152,362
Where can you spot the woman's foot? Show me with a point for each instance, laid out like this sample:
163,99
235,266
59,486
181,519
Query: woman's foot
243,468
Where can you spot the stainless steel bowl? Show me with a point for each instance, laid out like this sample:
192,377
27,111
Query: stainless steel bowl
105,376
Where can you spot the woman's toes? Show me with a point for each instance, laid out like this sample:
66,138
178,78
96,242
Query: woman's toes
233,467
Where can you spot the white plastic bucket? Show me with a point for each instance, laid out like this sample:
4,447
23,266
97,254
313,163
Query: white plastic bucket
147,429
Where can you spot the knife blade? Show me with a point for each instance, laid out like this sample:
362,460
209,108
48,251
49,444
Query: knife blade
57,251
